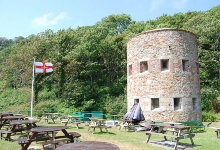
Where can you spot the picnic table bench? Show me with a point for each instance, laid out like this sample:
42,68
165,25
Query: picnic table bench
55,143
71,119
97,123
182,132
195,125
52,116
126,124
8,134
22,141
217,132
75,136
48,129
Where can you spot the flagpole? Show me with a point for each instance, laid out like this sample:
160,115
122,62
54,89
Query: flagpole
32,90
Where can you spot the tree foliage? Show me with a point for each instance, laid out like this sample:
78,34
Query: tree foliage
90,61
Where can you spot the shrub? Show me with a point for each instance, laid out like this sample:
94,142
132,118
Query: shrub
116,106
49,106
209,117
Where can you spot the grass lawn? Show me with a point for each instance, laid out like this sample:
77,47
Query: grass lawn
126,140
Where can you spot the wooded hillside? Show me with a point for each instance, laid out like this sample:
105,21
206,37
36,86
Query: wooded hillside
90,63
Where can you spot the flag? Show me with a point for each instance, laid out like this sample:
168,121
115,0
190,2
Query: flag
42,67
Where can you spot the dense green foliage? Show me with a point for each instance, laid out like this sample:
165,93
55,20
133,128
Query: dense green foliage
209,117
90,62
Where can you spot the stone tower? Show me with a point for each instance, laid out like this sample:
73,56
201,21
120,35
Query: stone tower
163,75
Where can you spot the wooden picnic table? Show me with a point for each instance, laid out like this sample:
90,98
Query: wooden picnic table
52,116
47,129
6,114
9,118
29,124
182,132
97,123
126,124
73,119
89,145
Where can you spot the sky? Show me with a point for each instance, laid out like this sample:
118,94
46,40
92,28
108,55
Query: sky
27,17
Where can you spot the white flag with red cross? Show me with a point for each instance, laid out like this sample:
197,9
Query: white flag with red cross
42,67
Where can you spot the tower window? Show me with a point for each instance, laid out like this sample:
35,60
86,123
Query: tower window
194,106
143,66
164,64
185,65
130,70
197,67
177,104
136,101
155,103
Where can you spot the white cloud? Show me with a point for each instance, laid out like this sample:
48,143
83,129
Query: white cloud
48,19
156,4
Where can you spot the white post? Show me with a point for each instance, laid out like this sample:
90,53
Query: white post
32,91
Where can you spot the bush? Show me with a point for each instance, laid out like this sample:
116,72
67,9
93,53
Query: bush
209,100
49,106
14,100
116,106
209,117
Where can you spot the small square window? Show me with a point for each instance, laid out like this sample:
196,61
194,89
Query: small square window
197,67
136,101
164,64
194,105
130,70
185,65
155,103
177,104
143,66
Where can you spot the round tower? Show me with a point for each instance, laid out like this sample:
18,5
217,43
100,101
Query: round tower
163,75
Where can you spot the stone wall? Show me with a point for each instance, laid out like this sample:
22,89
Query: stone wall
162,66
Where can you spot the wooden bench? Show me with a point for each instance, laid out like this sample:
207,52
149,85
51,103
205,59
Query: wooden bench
195,125
22,141
8,136
42,134
56,142
77,124
65,121
161,134
75,136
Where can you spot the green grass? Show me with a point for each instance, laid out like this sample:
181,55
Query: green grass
126,140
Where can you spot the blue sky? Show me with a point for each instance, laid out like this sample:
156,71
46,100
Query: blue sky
26,17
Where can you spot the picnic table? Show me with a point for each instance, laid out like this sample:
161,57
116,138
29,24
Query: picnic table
73,119
52,116
6,114
89,145
7,119
126,124
97,123
17,123
47,129
16,126
182,132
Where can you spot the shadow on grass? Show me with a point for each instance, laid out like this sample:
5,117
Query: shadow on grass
100,133
171,144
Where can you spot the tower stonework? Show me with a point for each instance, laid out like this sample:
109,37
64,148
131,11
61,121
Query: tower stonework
163,75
